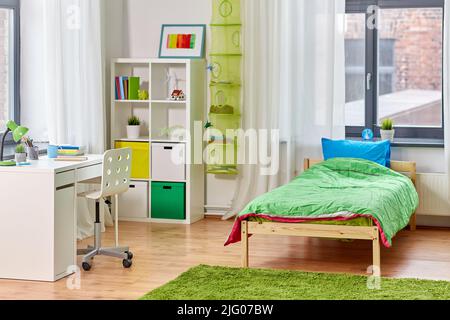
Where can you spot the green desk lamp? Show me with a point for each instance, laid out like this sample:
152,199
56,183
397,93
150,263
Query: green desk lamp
17,132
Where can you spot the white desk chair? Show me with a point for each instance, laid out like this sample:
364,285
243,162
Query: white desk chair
115,180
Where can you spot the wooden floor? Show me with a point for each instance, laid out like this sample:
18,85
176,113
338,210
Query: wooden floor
162,252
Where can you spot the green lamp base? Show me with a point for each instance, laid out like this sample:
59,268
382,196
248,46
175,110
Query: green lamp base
7,164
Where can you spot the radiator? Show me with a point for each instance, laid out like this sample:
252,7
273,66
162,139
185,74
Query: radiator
433,194
432,189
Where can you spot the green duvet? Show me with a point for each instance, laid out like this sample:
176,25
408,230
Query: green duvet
339,190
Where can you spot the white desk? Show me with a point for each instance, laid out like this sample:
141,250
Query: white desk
38,217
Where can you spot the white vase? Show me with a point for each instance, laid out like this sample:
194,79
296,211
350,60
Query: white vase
133,132
387,135
20,157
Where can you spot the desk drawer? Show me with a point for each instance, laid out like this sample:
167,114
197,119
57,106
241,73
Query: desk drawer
64,179
89,173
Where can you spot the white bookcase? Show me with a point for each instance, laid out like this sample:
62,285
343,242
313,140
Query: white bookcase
159,77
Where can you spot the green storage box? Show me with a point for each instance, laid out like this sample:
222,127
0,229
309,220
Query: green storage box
226,40
226,95
226,12
168,200
226,69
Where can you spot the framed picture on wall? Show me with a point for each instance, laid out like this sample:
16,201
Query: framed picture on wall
183,41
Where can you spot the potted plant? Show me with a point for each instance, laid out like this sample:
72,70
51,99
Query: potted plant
133,128
387,130
21,155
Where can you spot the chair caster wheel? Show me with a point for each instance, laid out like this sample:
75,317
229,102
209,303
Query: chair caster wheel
86,266
127,263
130,255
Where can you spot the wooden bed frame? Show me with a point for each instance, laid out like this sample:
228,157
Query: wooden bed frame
326,231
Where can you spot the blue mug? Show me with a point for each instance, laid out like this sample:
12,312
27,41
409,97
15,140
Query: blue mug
52,151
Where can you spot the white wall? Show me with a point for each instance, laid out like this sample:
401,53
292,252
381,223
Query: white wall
429,160
114,34
145,17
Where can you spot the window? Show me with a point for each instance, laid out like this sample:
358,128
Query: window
394,66
9,62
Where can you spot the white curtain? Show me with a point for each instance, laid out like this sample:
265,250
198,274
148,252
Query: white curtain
447,88
62,89
294,81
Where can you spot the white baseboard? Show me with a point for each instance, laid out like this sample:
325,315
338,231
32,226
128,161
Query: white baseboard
433,221
212,210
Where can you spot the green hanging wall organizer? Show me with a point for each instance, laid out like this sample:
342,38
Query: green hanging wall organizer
225,67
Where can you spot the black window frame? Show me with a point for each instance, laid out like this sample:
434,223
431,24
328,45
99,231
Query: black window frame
15,6
371,96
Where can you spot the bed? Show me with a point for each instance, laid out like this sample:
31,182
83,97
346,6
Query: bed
336,199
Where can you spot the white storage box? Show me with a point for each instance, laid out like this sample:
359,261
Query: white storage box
134,203
168,162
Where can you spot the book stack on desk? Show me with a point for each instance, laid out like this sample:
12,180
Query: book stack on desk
71,153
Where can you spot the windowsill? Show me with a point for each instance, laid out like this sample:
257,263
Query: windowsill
412,142
8,153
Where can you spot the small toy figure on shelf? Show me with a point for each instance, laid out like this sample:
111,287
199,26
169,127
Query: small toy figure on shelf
175,133
177,95
143,95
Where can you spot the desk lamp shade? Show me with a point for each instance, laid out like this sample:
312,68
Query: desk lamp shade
18,132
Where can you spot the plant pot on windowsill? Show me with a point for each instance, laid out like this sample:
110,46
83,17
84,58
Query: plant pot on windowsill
387,135
387,131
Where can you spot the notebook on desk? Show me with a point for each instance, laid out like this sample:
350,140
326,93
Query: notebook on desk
71,158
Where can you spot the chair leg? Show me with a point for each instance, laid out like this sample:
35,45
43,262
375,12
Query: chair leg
88,257
116,217
114,253
97,226
96,250
82,252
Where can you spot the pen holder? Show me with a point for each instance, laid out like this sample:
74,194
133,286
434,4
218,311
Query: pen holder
33,153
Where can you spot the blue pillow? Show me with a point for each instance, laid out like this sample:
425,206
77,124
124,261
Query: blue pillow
379,152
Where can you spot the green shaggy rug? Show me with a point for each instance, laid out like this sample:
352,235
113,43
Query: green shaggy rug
217,283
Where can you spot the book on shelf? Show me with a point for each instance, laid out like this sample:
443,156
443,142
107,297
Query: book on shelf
127,88
117,88
122,91
134,84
